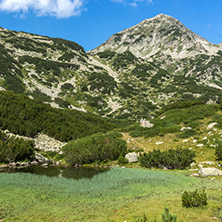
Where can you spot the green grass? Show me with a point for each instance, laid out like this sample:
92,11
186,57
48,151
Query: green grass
116,195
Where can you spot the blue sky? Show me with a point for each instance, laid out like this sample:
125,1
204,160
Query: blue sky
91,22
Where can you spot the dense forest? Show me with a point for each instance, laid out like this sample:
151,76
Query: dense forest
21,115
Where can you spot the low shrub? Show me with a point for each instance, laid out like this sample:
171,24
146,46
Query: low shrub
218,152
187,133
122,160
171,159
13,150
94,148
194,199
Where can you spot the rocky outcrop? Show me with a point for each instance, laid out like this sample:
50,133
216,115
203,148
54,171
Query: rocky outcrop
46,143
145,123
131,157
209,171
211,125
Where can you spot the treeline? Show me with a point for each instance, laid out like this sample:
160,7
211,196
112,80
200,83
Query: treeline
23,116
14,149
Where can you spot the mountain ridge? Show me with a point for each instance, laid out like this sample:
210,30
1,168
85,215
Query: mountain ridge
114,82
152,39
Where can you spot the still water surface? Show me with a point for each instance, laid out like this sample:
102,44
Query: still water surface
56,171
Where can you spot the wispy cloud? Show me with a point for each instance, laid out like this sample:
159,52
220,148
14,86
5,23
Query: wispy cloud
57,8
133,3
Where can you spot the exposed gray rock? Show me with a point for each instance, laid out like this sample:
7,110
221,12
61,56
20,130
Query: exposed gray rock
211,125
209,171
46,143
145,123
131,157
41,159
195,175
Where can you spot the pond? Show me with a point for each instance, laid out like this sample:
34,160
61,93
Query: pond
58,171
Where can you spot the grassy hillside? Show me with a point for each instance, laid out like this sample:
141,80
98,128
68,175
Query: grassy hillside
181,125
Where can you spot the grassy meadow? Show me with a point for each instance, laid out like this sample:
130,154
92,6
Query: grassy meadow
116,195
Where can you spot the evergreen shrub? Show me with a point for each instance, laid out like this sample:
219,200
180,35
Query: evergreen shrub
171,159
94,148
194,199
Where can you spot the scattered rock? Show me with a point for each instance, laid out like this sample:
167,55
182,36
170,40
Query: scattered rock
131,157
211,125
158,143
145,123
192,164
200,145
194,141
162,117
195,175
207,162
185,141
185,128
34,162
209,171
205,138
41,159
46,143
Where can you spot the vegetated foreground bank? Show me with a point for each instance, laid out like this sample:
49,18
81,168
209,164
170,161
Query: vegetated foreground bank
116,195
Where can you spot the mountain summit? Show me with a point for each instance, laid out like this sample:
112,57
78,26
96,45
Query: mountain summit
161,34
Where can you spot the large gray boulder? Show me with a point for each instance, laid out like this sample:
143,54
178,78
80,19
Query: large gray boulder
209,171
131,157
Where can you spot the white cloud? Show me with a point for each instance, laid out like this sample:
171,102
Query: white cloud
58,8
133,3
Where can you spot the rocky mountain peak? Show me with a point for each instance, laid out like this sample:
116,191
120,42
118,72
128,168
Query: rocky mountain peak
161,34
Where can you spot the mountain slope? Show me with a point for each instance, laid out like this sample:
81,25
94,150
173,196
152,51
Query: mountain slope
161,34
131,76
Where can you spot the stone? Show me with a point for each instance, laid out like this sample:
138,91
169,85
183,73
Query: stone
209,171
185,141
211,125
185,128
131,157
205,138
41,159
199,145
158,143
195,175
192,164
146,123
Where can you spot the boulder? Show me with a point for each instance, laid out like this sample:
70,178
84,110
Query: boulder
131,157
145,123
211,125
41,159
209,171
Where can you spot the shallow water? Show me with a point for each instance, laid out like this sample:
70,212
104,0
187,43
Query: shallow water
58,171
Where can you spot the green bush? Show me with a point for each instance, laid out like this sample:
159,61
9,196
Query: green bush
13,150
187,133
194,199
94,148
122,160
171,159
218,152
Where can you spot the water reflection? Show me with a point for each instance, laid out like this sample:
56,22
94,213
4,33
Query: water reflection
58,171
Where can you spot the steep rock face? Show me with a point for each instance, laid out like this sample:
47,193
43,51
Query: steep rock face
161,34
